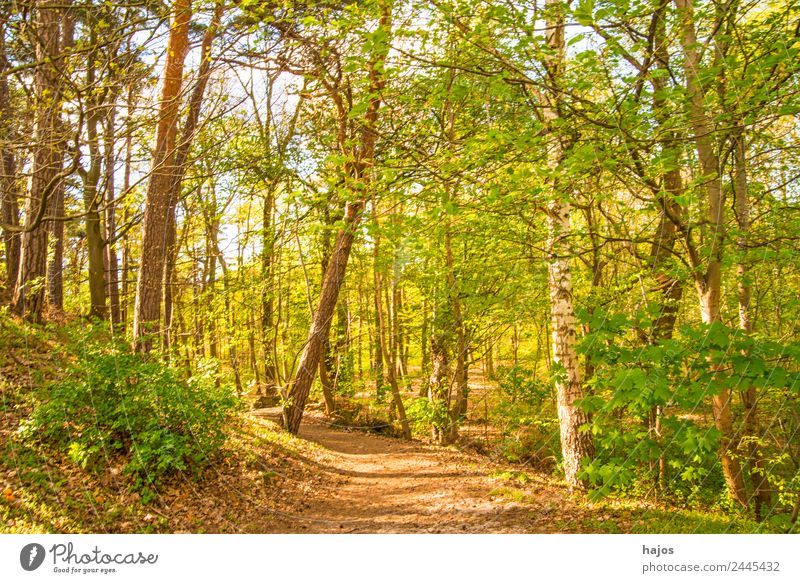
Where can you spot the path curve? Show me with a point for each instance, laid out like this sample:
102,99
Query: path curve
386,485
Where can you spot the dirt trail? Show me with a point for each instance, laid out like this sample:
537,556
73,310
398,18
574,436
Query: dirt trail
386,485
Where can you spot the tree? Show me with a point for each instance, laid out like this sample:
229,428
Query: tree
356,170
158,206
46,171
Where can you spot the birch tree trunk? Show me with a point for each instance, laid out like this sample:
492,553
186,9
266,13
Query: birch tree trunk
575,443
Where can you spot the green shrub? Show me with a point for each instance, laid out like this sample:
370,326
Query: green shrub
113,402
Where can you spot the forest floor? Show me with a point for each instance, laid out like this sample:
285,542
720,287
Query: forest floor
329,479
377,484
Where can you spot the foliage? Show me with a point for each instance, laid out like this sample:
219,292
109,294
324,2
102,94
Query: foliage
632,381
525,417
112,402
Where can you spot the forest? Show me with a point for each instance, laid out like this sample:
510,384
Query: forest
400,266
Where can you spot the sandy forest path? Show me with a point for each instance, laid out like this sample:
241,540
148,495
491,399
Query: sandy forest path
386,485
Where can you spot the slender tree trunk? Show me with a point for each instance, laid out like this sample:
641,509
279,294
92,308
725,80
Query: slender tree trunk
126,186
357,173
56,208
425,364
91,198
55,266
378,341
199,335
761,487
184,145
112,261
321,322
576,443
489,359
268,330
388,346
324,362
149,287
460,375
668,288
709,284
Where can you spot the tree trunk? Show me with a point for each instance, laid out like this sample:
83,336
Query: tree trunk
761,487
268,330
55,267
91,199
669,289
709,284
321,323
325,361
112,261
439,390
184,146
356,171
378,342
149,286
460,375
126,186
388,346
576,444
29,294
9,187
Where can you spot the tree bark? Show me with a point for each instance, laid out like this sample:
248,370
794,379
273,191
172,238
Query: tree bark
91,198
29,294
576,443
184,146
149,286
111,259
356,172
439,389
321,322
709,284
9,187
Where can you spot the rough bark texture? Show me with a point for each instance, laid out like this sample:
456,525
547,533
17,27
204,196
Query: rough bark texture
29,294
149,286
9,187
439,389
320,325
91,200
575,444
179,168
356,172
709,284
